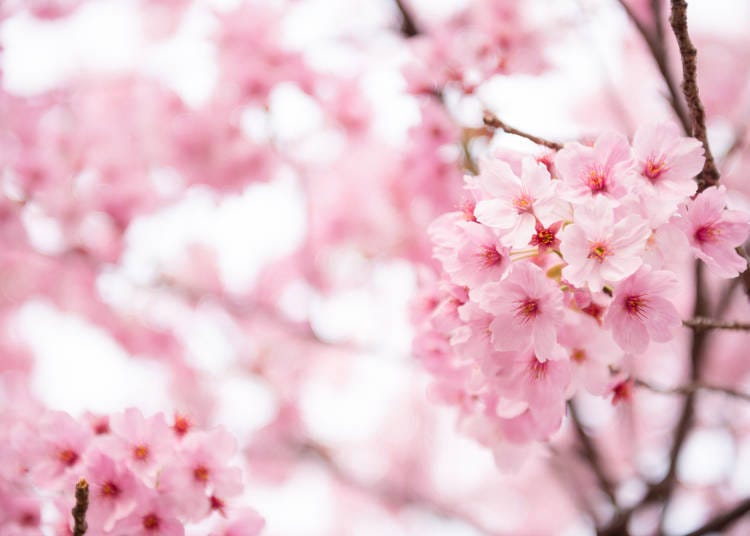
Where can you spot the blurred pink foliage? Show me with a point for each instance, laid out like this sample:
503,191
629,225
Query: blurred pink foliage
580,308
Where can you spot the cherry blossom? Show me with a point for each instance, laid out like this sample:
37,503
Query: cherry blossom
667,161
514,204
599,250
600,170
640,311
715,231
342,257
526,309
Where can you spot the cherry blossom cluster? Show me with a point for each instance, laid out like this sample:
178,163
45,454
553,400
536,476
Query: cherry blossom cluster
560,270
485,39
146,476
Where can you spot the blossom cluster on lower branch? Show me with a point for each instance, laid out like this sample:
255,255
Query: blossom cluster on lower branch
146,477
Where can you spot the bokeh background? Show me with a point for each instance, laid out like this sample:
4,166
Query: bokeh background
296,340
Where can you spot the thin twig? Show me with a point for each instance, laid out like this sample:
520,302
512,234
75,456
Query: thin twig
654,40
691,388
79,510
724,520
591,455
491,120
678,20
408,26
701,323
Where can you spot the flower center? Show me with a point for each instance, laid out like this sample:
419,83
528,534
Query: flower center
181,425
217,504
622,392
544,238
527,309
596,181
653,170
490,256
599,251
67,457
538,369
200,473
151,522
578,355
523,204
110,489
29,519
101,427
635,306
140,452
707,233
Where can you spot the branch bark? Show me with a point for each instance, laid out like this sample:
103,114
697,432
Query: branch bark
591,455
691,388
79,510
678,20
408,25
665,488
701,323
723,520
491,120
654,39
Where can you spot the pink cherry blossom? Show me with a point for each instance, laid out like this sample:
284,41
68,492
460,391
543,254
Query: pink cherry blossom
550,279
599,170
142,442
470,252
541,384
666,161
152,517
640,312
527,310
245,523
715,231
515,204
63,442
599,250
200,471
591,352
114,490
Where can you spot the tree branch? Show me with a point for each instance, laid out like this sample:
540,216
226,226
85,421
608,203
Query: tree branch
724,520
691,388
654,40
665,488
408,26
678,20
591,455
491,120
79,510
701,323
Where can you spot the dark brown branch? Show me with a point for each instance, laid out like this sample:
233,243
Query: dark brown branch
701,323
491,120
678,20
654,40
591,455
408,26
79,510
724,520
